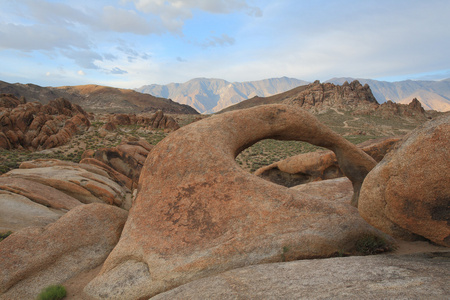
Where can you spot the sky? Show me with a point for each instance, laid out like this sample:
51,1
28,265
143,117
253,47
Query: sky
131,43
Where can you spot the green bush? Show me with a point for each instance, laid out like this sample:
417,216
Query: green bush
52,292
372,244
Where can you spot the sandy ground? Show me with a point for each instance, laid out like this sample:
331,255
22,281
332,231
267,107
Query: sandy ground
75,285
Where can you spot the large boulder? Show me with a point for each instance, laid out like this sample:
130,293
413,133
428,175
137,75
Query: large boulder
319,165
408,193
418,276
36,257
197,213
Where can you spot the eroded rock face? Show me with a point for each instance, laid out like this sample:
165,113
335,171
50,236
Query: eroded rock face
198,213
408,193
319,165
35,126
124,162
36,257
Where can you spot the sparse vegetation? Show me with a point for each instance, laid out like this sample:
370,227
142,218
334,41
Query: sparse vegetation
359,128
53,292
372,244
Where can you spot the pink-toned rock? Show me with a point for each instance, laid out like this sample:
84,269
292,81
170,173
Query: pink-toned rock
197,213
36,257
39,193
85,186
319,165
408,193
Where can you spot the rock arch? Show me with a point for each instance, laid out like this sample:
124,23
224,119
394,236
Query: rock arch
198,213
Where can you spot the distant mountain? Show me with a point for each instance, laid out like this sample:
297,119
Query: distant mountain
96,98
433,95
212,95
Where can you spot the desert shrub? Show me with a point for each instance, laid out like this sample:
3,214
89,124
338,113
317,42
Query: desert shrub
52,292
4,235
372,244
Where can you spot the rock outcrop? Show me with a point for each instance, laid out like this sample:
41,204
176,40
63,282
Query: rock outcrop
157,120
319,97
41,191
408,193
36,257
197,213
319,165
390,109
87,187
418,276
35,126
124,162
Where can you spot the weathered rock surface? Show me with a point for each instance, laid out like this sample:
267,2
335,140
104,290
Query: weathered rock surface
408,193
124,162
35,126
198,213
319,165
85,186
36,257
17,212
39,193
418,276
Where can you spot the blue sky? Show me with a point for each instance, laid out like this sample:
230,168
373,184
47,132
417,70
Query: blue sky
130,43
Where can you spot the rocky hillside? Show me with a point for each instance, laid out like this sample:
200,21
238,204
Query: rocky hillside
433,95
96,98
319,97
212,95
322,97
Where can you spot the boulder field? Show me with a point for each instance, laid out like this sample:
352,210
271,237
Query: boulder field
197,213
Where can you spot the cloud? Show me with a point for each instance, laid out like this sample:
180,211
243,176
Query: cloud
121,20
223,40
39,37
81,73
118,71
173,13
84,58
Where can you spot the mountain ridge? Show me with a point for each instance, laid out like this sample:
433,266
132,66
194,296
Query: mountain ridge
97,98
212,95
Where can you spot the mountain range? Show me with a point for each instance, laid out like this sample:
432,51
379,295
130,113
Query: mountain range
212,95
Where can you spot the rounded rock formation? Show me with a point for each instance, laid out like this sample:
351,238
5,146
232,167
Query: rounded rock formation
408,193
197,213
